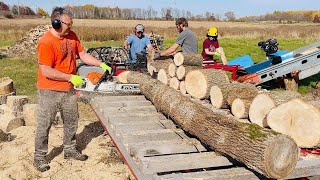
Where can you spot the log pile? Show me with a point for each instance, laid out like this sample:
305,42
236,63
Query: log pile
269,109
27,46
270,153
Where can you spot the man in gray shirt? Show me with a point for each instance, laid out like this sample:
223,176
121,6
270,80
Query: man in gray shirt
186,39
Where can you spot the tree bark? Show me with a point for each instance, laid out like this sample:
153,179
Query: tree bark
263,150
199,82
264,102
182,71
299,120
187,59
223,95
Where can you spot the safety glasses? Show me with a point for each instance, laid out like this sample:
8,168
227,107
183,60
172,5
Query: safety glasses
69,25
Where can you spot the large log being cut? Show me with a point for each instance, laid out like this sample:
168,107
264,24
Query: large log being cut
298,119
272,154
264,102
199,82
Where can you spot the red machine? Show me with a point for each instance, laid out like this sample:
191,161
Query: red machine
236,70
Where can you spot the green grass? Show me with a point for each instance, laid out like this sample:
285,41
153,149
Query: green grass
23,71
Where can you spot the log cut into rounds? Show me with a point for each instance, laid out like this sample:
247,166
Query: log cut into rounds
122,77
172,70
155,66
199,82
182,71
187,59
298,119
174,83
264,102
223,95
240,108
163,76
272,154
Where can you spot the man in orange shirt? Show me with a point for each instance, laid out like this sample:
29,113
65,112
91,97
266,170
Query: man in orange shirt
57,52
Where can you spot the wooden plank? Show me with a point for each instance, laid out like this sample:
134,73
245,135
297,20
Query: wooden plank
152,135
152,148
305,168
129,109
221,174
125,103
127,120
136,127
118,98
130,114
178,162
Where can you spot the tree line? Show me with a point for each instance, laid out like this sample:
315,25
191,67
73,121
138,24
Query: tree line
90,11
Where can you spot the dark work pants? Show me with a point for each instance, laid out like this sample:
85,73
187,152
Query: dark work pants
50,102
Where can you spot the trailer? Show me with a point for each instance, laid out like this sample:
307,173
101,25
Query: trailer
154,147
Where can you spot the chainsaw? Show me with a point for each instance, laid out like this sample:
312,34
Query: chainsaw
104,83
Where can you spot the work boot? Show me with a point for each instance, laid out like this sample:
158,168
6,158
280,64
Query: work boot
74,154
41,165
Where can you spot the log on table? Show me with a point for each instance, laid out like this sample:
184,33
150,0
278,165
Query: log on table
155,66
182,71
240,107
122,77
199,82
264,102
223,95
298,119
263,150
187,59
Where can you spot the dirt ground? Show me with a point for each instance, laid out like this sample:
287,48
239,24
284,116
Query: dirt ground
16,156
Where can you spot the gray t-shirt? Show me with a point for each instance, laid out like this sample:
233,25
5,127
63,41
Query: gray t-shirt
188,41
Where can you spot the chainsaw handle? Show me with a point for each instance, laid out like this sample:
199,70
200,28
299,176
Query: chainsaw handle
106,76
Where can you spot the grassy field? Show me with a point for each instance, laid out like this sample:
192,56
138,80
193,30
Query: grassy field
237,39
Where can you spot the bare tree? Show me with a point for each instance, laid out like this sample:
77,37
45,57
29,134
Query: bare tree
230,16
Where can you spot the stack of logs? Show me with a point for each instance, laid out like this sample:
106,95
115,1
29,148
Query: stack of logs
15,111
28,44
285,112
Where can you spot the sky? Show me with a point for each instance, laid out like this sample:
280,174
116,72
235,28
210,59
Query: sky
239,7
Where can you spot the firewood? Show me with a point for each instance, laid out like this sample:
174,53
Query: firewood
272,154
223,95
187,59
264,102
182,71
163,76
174,83
172,70
199,82
6,86
240,107
122,77
182,88
8,123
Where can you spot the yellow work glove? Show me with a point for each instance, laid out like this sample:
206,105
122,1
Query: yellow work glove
76,80
217,55
105,67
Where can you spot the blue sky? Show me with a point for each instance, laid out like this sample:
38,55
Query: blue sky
239,7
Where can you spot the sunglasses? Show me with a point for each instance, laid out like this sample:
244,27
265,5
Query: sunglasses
69,25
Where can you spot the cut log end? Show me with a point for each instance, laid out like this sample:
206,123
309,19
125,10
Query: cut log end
239,109
216,97
163,76
175,83
182,88
196,84
259,108
123,77
178,59
172,70
277,155
298,120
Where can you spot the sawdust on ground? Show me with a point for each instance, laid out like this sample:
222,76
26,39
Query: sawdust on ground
16,156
